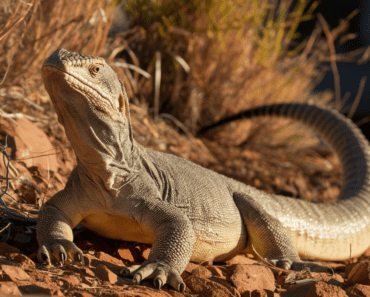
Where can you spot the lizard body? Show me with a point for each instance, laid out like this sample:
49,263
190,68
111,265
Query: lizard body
123,191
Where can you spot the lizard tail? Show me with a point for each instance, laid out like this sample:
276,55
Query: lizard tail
347,140
331,231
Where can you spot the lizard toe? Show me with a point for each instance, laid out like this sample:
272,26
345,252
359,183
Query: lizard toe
311,266
160,272
129,271
60,250
298,265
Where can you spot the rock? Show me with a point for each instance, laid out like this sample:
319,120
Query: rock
105,274
9,288
83,294
125,254
241,259
14,273
92,282
23,260
108,258
358,291
145,253
6,249
88,271
217,271
198,270
360,274
21,240
72,280
30,142
206,288
259,293
314,289
252,277
40,289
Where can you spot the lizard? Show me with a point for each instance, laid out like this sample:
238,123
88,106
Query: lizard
123,191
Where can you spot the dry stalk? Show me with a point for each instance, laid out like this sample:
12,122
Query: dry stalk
333,63
357,98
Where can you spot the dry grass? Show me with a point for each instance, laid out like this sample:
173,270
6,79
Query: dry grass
31,30
215,61
240,54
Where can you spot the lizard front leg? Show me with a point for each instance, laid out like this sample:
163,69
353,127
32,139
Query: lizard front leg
173,245
54,229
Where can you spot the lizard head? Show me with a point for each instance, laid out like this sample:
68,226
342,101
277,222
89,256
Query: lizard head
91,103
75,81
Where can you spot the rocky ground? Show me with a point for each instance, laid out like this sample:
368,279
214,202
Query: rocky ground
42,160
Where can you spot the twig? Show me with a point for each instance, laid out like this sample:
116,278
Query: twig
6,227
17,116
365,57
133,67
358,97
333,62
15,94
363,121
178,123
3,207
180,60
311,42
157,83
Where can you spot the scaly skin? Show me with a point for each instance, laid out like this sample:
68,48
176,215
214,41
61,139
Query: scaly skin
123,191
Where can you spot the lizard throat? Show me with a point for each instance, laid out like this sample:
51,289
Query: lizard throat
97,98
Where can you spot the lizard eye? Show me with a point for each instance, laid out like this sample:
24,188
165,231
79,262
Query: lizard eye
94,69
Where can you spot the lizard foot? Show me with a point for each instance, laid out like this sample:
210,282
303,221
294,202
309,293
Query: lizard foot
60,249
159,271
301,265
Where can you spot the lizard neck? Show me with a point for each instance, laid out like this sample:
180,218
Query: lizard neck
105,149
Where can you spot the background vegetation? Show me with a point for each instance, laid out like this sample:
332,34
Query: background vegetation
184,63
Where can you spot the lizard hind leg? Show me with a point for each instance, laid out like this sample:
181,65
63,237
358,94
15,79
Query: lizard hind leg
269,238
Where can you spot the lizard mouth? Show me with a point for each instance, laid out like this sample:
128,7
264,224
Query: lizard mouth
97,97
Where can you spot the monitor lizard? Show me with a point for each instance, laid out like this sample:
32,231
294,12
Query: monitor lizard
123,191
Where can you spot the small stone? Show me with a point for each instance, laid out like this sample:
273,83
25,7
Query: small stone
83,294
216,271
314,289
252,277
108,258
89,281
21,240
241,259
9,288
14,273
206,288
146,253
72,280
6,249
40,289
125,254
105,274
360,274
23,260
88,271
358,291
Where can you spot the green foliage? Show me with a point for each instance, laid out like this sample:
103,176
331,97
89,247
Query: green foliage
274,27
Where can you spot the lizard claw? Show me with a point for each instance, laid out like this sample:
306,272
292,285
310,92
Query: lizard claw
79,258
161,272
44,258
298,265
62,258
137,279
61,250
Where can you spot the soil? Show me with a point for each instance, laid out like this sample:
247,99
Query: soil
42,160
